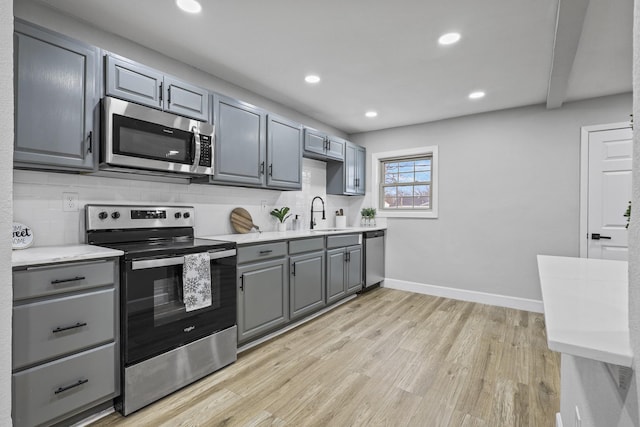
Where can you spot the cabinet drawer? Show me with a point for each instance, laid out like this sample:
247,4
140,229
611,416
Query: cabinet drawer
260,252
54,389
344,240
306,245
48,329
41,281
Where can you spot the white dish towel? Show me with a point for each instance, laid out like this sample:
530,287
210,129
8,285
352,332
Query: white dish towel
196,281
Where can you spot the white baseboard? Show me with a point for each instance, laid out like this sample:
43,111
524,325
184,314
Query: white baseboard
466,295
558,420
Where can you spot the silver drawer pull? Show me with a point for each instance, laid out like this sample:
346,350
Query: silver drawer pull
69,387
267,251
73,279
66,328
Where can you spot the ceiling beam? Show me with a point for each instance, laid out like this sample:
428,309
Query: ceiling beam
569,21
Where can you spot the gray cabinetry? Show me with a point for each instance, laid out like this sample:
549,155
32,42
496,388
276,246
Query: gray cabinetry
284,153
348,178
263,300
135,82
240,142
319,145
306,283
65,346
255,149
56,99
344,266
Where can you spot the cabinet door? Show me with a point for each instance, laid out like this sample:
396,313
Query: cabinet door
335,148
186,99
55,100
306,283
284,153
361,159
350,160
133,82
315,142
354,269
335,275
262,298
240,142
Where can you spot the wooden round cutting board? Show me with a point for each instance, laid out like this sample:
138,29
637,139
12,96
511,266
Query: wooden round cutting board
241,221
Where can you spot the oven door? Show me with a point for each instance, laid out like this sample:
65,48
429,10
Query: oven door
153,312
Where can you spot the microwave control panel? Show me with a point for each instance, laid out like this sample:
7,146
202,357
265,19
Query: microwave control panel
205,151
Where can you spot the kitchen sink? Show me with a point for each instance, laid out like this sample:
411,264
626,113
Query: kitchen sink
329,230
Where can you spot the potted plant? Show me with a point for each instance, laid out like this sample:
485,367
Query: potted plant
368,216
282,216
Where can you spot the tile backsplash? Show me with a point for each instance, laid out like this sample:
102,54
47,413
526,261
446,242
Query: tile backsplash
38,201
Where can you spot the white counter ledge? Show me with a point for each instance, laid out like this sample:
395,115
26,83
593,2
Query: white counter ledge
586,307
56,254
268,236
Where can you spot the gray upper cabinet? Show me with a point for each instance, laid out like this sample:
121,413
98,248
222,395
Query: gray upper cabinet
137,83
56,100
348,178
240,142
255,149
284,153
306,283
319,145
262,298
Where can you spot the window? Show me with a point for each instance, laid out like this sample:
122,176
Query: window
406,181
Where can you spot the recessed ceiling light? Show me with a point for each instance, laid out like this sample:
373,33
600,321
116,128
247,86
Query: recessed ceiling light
191,6
476,95
312,78
371,114
449,38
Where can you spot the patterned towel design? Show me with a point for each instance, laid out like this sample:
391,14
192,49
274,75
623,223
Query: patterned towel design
196,281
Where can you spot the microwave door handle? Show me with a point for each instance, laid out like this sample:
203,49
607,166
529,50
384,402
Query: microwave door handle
196,147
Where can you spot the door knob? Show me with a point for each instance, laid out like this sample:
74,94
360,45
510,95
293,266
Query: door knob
597,236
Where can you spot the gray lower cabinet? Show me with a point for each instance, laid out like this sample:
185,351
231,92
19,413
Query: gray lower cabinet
65,354
318,145
348,178
306,283
56,100
344,268
263,300
131,81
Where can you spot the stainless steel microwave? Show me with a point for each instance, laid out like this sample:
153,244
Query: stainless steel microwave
142,138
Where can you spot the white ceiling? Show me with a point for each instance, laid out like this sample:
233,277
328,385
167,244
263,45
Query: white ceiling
384,55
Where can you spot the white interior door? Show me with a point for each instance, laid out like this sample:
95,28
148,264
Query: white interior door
609,192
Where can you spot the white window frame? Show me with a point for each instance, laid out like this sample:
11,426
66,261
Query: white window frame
377,158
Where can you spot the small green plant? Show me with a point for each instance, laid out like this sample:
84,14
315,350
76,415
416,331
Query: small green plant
368,212
628,214
281,214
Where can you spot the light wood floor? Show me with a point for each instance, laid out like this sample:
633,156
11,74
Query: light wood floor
387,358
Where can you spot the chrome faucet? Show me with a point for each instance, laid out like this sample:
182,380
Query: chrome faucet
313,221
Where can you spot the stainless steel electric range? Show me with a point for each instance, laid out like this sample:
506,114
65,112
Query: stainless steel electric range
163,346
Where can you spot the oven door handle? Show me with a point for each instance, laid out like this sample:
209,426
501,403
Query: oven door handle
178,260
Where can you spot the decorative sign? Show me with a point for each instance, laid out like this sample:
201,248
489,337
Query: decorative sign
22,236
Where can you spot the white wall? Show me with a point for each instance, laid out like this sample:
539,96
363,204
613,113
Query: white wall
509,190
37,201
6,164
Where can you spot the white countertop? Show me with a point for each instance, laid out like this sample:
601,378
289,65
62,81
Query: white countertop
56,254
267,236
586,307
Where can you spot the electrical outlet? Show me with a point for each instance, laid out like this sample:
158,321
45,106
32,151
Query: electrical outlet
70,202
578,418
263,206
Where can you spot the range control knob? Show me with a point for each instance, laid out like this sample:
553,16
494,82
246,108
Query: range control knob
115,215
103,215
186,215
177,215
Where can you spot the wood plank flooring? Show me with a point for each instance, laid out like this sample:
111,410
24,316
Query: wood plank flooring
387,358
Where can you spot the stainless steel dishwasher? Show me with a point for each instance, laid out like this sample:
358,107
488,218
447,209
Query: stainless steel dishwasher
373,257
